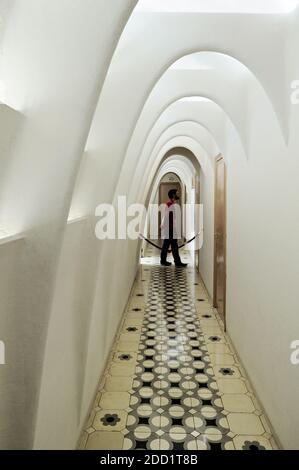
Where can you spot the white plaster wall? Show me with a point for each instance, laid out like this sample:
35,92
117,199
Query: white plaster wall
60,404
263,270
12,377
9,125
54,59
261,293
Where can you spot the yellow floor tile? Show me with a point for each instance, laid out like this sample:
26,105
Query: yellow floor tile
231,386
245,423
122,370
105,441
237,403
218,348
127,346
226,359
129,337
118,384
115,401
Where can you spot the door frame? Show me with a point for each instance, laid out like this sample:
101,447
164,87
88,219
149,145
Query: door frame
217,160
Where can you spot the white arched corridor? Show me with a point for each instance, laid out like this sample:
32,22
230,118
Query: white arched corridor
103,100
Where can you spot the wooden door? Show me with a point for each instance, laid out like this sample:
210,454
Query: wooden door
220,239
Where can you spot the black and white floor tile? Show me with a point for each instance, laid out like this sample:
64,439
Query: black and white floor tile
175,402
174,381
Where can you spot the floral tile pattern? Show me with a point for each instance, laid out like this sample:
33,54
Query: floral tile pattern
174,381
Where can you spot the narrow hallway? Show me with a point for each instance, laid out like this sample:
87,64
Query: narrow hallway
173,380
126,123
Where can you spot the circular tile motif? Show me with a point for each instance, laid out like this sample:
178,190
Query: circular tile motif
144,411
177,434
160,401
209,412
175,393
205,393
142,432
213,434
147,377
173,364
148,364
149,352
186,371
146,392
161,370
174,379
161,384
150,342
191,402
176,411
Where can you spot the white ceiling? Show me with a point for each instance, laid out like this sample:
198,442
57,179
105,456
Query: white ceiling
218,6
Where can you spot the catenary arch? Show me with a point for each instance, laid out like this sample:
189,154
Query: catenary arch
164,58
210,128
181,110
206,88
187,146
159,154
191,149
134,158
196,127
186,129
178,163
181,128
165,96
183,160
179,160
155,159
182,48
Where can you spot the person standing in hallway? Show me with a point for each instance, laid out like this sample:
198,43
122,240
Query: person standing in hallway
170,230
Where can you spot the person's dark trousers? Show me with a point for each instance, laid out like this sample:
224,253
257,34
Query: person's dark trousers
175,251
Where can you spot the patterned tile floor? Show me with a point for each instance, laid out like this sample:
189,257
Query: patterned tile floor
174,381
